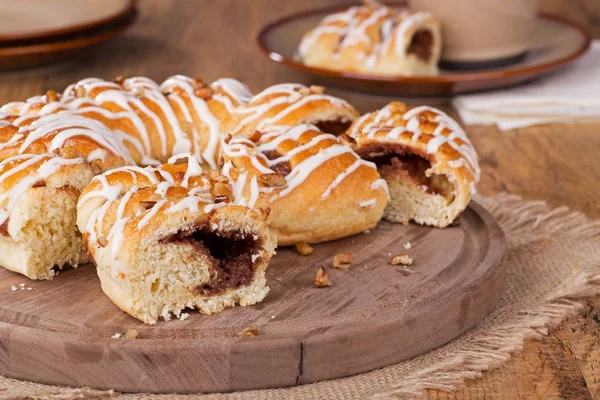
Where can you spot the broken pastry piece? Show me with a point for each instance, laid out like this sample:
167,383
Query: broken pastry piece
318,189
169,238
425,157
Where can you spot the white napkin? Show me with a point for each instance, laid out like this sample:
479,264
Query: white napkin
569,95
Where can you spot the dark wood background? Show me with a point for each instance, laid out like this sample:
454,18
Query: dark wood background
557,163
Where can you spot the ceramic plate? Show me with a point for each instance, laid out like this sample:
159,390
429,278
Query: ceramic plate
557,43
40,19
16,56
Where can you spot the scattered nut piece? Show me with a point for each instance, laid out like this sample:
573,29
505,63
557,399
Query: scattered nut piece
347,140
205,93
401,259
321,279
249,331
228,138
407,245
116,336
132,334
198,81
119,80
272,180
183,316
304,248
342,261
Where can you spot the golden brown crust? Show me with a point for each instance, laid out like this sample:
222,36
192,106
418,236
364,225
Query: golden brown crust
396,137
169,223
317,188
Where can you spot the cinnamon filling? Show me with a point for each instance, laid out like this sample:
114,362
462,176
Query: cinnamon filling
230,255
397,161
284,168
333,126
421,44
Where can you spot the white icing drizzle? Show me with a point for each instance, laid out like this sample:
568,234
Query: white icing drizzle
39,167
119,197
367,203
447,131
242,147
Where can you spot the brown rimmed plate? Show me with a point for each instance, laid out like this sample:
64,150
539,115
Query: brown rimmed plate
18,55
41,19
556,44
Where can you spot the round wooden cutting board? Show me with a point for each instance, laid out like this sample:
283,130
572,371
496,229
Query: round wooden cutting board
373,315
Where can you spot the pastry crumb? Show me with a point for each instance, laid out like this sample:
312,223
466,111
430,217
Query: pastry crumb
304,248
401,259
116,336
342,261
249,331
14,288
183,316
407,245
321,279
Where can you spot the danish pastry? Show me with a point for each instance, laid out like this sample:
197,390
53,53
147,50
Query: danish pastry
291,104
374,39
172,237
318,189
426,158
46,162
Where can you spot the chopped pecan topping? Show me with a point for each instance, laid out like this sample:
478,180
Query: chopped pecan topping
347,140
253,135
146,205
228,138
249,331
67,152
205,93
40,183
51,96
120,80
316,89
102,241
79,91
342,261
304,248
401,259
272,180
222,199
221,189
321,279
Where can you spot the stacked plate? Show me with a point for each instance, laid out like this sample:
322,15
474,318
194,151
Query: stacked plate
37,32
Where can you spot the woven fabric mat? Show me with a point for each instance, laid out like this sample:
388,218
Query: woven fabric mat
553,263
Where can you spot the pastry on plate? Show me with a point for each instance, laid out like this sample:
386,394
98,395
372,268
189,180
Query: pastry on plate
318,188
173,237
425,157
374,39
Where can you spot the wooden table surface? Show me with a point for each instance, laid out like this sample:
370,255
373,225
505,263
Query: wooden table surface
557,163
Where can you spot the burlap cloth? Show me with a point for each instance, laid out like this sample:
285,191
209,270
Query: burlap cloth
553,263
